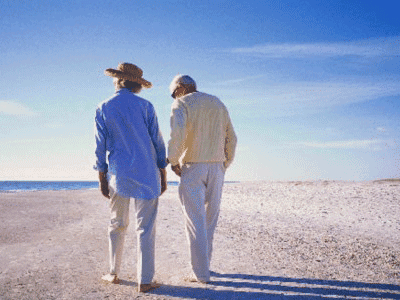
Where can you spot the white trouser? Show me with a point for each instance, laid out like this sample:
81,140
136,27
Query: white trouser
146,212
200,192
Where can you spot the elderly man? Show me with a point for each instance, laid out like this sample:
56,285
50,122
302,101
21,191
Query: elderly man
201,148
127,130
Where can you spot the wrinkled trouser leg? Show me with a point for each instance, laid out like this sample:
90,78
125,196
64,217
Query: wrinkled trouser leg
117,230
146,213
214,187
200,193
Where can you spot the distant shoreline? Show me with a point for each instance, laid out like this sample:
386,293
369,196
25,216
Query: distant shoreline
10,186
31,186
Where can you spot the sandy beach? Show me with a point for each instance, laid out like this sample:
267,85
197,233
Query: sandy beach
274,240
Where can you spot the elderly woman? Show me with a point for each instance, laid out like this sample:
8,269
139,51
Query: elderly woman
131,162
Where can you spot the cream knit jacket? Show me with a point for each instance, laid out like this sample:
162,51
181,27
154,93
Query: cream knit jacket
201,131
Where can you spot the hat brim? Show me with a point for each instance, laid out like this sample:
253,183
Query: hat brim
118,74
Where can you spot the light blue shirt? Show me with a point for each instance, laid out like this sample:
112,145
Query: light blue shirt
126,128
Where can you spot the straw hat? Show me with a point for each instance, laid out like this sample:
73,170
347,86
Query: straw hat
129,72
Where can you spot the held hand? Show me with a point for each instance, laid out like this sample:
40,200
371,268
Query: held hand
163,173
177,170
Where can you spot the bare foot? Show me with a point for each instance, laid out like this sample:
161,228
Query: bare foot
192,278
144,288
111,278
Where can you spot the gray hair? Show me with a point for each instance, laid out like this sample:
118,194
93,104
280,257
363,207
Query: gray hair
180,80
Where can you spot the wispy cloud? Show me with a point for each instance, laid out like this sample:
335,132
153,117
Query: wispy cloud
352,144
238,80
307,97
327,94
15,109
364,48
310,96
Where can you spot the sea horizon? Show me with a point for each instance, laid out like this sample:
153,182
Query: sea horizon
14,186
10,186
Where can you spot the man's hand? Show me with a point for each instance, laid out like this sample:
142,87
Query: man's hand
177,169
163,173
104,184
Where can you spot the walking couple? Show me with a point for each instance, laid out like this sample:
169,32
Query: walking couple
131,162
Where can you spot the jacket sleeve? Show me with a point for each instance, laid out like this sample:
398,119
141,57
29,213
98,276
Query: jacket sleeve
157,138
230,143
178,126
101,146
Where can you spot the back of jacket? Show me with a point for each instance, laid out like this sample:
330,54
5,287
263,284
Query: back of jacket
201,130
127,130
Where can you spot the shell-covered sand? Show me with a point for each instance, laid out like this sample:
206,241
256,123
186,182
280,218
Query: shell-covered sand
274,240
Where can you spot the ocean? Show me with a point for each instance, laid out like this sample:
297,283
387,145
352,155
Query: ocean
21,186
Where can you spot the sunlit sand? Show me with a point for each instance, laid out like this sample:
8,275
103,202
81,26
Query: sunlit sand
274,240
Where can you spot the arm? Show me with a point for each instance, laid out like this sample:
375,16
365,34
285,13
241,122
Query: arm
101,150
158,142
157,139
230,144
101,147
176,143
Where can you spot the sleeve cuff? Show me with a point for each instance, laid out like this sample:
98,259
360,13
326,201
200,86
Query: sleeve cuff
102,168
162,164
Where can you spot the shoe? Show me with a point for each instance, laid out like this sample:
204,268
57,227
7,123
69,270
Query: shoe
144,288
110,278
193,278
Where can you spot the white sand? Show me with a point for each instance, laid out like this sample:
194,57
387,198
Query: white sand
274,240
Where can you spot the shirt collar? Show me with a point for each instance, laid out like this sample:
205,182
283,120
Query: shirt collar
124,91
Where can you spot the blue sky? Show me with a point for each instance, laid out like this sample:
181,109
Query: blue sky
312,87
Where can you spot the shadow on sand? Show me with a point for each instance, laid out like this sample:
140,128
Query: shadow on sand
242,286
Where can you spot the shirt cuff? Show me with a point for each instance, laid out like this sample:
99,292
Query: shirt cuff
101,168
162,164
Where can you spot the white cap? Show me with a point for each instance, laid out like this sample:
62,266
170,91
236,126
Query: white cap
181,79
